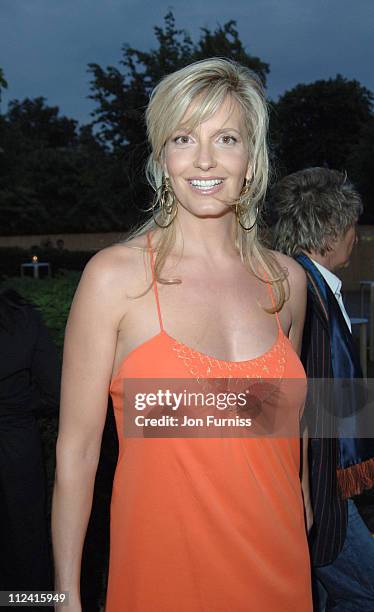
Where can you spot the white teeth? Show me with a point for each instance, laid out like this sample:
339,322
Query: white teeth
201,184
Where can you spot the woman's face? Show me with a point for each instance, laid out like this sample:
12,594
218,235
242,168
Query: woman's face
207,167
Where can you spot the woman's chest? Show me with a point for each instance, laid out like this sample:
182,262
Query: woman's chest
226,320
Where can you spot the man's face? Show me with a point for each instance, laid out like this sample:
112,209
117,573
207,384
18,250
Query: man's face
343,247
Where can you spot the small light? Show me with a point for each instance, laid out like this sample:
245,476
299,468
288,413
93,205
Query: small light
34,259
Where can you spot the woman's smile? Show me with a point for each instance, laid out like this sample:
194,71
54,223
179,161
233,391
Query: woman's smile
206,186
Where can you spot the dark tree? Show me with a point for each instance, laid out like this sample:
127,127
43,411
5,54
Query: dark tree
320,124
40,175
361,169
122,94
3,83
225,42
37,171
41,125
56,178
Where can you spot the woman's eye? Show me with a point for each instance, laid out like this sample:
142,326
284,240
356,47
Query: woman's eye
182,139
226,139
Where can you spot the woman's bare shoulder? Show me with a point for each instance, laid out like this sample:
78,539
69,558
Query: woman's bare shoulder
108,281
124,263
295,272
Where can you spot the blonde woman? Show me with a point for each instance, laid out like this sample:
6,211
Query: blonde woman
206,524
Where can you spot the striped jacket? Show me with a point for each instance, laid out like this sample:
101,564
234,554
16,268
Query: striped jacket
330,510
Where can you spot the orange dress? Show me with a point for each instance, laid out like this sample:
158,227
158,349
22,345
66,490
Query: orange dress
207,524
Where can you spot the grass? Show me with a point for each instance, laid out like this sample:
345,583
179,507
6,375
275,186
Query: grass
52,296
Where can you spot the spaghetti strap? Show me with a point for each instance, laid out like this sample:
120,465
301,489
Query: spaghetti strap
154,281
270,288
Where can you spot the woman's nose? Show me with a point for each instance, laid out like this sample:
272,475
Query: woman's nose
205,158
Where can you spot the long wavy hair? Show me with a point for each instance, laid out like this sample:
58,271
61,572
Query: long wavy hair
207,84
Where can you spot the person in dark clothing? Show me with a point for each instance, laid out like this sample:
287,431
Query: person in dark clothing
29,381
314,214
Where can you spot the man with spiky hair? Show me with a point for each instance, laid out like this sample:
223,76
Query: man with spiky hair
314,214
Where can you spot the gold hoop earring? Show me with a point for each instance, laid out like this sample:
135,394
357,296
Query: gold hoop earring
165,198
245,189
246,229
239,205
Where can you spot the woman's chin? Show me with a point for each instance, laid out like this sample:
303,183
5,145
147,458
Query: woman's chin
209,211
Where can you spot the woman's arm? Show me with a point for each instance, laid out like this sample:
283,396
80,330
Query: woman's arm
89,351
297,305
297,302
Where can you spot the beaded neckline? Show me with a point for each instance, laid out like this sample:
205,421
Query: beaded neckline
187,354
202,365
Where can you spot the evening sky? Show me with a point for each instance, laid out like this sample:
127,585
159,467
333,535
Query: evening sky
45,45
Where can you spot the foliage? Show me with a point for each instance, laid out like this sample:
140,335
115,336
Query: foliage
52,296
361,165
39,169
121,95
318,124
40,125
56,178
3,83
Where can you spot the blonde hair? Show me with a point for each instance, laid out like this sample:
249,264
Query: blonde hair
207,83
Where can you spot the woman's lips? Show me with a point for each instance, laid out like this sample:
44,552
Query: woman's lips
206,187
